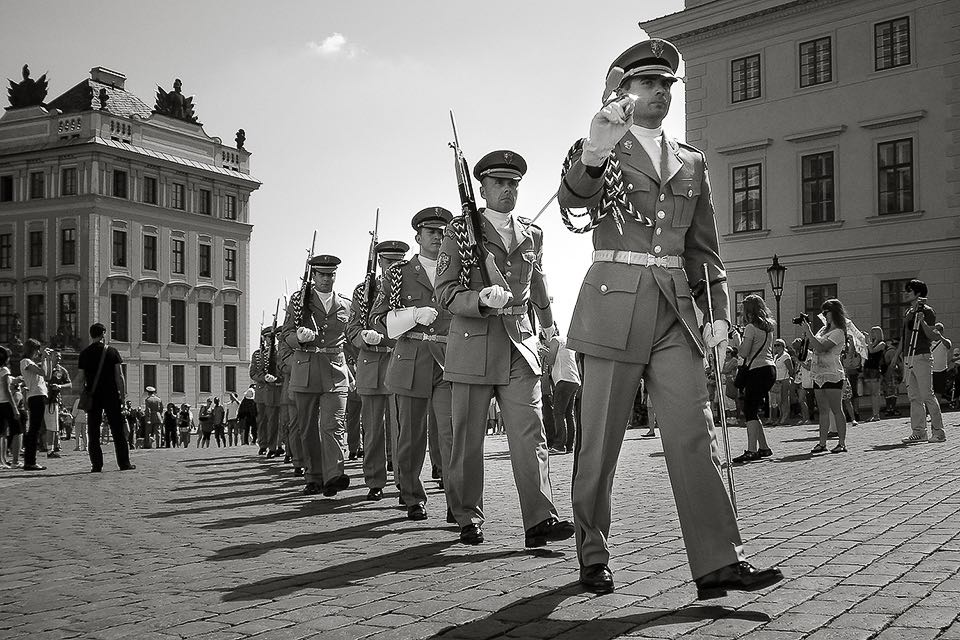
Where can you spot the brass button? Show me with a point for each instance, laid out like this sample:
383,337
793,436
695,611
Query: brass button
506,273
661,215
630,186
431,329
689,193
433,299
466,335
659,231
409,297
656,249
508,263
662,197
603,288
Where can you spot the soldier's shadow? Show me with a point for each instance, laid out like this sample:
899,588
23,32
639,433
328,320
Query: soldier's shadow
309,509
221,502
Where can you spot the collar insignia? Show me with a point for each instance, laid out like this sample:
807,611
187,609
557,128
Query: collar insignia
628,144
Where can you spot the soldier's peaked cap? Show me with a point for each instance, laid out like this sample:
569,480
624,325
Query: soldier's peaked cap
324,263
500,164
653,57
392,249
431,218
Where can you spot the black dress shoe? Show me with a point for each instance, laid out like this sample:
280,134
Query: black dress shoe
312,489
332,487
360,453
450,518
34,467
298,471
740,576
471,534
287,459
353,455
416,512
748,456
129,467
262,451
440,485
597,578
550,530
278,451
400,500
271,454
765,453
435,472
375,494
96,470
389,466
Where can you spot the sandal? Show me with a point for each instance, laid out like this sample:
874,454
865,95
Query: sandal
839,449
820,448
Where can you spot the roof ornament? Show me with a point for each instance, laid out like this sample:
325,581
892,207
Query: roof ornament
103,97
174,104
28,92
241,139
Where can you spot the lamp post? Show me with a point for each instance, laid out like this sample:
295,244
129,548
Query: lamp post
776,272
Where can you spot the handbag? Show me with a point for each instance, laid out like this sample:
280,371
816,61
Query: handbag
86,393
740,381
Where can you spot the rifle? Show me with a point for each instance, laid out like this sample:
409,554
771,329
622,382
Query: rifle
370,282
272,349
468,205
306,291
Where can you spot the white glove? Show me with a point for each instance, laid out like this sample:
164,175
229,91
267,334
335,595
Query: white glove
606,129
306,334
371,337
715,334
495,296
425,315
270,377
549,332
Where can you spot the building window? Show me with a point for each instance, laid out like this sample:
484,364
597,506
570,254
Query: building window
179,255
230,207
895,168
178,383
178,321
119,248
745,78
37,185
119,183
149,376
68,181
150,190
119,318
230,329
205,323
815,62
150,253
818,203
36,326
177,199
230,265
739,297
892,43
68,247
204,265
36,248
893,307
6,188
6,250
6,318
205,385
230,379
747,203
150,323
203,202
67,315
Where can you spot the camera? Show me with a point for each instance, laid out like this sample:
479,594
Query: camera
800,319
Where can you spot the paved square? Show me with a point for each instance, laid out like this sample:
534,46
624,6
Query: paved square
220,544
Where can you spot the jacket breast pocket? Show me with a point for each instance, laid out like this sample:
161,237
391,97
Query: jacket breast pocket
686,193
467,346
604,310
300,370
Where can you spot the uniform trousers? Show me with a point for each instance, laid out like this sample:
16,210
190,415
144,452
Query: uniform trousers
379,424
519,402
411,449
320,431
354,408
433,440
918,374
268,417
288,419
677,387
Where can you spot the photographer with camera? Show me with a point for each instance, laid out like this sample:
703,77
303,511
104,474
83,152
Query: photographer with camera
826,347
918,333
759,374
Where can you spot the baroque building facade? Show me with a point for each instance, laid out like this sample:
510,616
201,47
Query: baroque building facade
112,211
832,135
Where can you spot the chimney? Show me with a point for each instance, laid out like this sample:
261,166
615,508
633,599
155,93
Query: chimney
106,76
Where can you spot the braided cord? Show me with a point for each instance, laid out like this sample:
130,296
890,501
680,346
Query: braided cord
395,277
296,306
468,258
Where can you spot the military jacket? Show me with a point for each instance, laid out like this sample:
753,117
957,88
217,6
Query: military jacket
268,393
372,361
312,371
410,372
616,311
479,340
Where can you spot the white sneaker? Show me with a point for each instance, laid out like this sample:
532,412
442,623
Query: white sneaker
914,438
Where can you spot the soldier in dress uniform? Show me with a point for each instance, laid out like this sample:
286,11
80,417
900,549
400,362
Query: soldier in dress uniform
315,330
354,405
653,229
375,349
288,410
408,311
268,389
492,351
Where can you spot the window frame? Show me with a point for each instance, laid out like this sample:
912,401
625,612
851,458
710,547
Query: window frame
746,97
149,195
230,207
36,325
121,184
205,378
8,308
6,251
230,378
119,317
230,264
150,320
204,262
877,65
815,65
69,315
32,185
118,248
888,320
150,252
746,190
178,196
895,166
70,242
36,248
7,187
179,313
205,323
205,202
178,378
178,256
819,181
69,186
231,325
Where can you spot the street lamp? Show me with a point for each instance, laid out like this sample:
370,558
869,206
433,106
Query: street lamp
776,272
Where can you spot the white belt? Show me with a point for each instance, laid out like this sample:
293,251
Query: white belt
638,258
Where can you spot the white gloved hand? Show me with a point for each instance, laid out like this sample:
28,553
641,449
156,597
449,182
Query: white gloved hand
371,337
608,126
425,315
715,334
270,377
306,334
495,296
549,332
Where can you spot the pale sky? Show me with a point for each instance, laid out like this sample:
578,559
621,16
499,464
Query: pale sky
345,104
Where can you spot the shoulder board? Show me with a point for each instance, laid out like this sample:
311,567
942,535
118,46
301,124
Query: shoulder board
690,147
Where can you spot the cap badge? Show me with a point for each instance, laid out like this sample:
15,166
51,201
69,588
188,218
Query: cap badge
507,156
437,210
628,144
656,46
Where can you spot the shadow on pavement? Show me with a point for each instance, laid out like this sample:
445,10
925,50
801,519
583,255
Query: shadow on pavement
797,457
278,500
889,447
810,439
314,507
227,496
658,454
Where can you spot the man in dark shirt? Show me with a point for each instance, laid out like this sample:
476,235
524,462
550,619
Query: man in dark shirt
918,332
102,376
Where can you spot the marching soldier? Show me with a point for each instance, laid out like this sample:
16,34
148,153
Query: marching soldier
319,376
354,405
653,229
288,410
375,349
407,310
267,396
492,351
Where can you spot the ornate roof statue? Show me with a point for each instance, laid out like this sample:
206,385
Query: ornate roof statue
103,97
174,104
28,92
241,139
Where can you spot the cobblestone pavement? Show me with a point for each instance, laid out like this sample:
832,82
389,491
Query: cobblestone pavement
219,544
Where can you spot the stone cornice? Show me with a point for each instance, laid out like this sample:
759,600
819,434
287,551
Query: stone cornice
816,134
893,120
743,147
